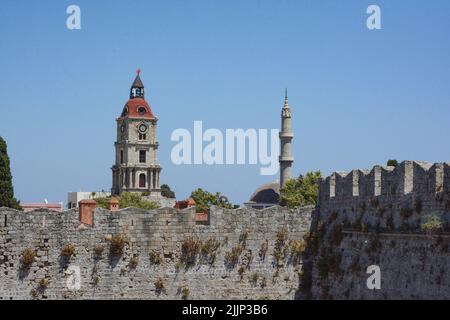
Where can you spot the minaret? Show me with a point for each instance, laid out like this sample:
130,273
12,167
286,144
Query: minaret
286,136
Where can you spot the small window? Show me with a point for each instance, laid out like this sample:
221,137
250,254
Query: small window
136,92
142,156
142,136
141,111
142,180
121,156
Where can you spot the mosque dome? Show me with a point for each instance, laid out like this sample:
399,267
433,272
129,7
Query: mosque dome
265,196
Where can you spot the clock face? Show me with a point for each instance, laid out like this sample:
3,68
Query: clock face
142,128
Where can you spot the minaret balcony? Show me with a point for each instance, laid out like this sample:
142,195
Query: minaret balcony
285,159
286,135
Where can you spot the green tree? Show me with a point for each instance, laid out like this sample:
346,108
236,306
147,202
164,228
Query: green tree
134,200
166,192
392,163
301,191
6,187
204,200
128,200
102,202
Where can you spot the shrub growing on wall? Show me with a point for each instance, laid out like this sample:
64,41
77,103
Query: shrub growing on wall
98,251
232,257
185,293
209,250
155,257
189,251
118,242
159,286
27,258
432,224
68,250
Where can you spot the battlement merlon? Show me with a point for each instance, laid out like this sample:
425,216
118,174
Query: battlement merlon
409,177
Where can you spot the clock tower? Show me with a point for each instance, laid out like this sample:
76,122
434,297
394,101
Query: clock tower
136,167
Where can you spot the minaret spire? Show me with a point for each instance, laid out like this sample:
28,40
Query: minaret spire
286,137
286,100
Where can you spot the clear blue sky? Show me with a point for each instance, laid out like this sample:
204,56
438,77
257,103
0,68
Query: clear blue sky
359,97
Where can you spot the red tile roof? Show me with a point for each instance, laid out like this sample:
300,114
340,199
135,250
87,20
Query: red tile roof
27,207
131,109
88,201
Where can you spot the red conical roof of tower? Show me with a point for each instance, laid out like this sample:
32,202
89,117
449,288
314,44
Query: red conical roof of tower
137,107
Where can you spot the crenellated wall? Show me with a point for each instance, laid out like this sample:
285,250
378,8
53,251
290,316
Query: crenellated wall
381,217
153,255
412,188
390,182
377,217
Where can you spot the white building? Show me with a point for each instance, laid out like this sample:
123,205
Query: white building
74,197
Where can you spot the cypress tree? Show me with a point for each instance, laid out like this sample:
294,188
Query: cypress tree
6,188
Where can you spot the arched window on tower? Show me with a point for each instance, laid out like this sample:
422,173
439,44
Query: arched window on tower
142,180
142,156
137,93
141,111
